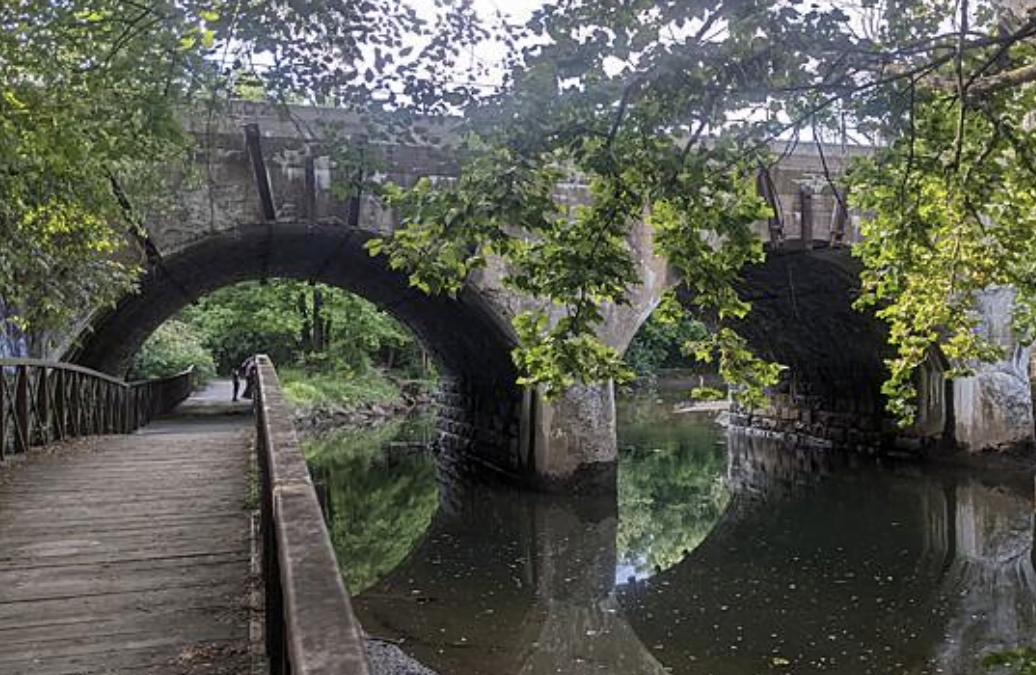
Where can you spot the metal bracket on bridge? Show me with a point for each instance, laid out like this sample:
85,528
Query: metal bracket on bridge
806,217
254,145
768,191
839,219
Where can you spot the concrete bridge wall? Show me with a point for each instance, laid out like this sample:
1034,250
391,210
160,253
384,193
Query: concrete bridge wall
271,197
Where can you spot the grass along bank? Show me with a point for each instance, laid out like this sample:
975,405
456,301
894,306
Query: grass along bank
327,401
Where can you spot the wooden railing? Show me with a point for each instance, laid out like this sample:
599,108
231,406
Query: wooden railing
42,402
310,625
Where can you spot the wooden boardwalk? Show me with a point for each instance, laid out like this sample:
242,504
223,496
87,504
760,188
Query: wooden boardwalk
130,554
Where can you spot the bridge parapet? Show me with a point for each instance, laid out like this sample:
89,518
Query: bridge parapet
811,214
310,626
260,162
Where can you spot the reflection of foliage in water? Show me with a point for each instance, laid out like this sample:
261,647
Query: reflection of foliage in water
1017,662
672,483
380,500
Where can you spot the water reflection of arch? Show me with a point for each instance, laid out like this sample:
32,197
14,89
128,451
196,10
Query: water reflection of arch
991,581
889,571
510,583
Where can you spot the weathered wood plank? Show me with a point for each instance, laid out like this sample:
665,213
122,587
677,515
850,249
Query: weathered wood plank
129,553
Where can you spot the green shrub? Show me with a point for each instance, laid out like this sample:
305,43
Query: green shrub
306,389
302,394
660,344
171,349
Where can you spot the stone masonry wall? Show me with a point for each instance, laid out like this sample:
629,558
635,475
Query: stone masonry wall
479,430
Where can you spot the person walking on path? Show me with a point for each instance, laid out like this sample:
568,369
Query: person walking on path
248,371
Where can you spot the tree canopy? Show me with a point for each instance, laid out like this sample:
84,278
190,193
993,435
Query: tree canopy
668,108
93,94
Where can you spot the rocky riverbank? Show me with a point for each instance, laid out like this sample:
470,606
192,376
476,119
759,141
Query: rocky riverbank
316,420
386,658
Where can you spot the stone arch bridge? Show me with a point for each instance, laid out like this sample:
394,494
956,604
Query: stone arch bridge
264,207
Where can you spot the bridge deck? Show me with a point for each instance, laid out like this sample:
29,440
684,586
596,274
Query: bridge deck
129,554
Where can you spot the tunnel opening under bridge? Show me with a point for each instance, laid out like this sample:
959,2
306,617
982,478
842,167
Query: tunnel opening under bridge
480,405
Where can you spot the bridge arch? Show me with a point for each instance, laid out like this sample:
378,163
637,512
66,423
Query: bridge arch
480,404
803,318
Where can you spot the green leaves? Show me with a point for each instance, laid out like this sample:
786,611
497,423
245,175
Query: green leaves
1018,661
92,90
557,357
666,110
281,318
941,233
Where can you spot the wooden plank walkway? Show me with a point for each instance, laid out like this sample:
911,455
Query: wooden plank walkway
130,554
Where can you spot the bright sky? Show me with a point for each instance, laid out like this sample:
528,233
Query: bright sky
490,54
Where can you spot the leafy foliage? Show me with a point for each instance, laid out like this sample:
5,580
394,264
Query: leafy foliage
954,213
308,389
92,94
659,344
285,319
249,318
84,102
610,94
666,109
331,347
1018,661
173,348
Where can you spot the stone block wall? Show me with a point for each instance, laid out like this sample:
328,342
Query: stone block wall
479,431
810,424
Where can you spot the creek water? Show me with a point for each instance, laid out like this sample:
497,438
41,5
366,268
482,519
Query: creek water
722,554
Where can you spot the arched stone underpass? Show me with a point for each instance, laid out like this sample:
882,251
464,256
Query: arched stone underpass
480,401
802,317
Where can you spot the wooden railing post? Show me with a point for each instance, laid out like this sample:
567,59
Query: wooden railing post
60,429
21,410
806,217
43,406
97,407
75,400
3,414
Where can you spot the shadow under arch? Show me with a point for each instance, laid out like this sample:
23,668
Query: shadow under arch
803,317
469,340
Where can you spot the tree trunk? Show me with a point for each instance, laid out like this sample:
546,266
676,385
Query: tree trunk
306,333
319,344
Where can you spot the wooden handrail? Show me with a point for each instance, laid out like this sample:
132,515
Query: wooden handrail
45,401
189,372
310,625
59,365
